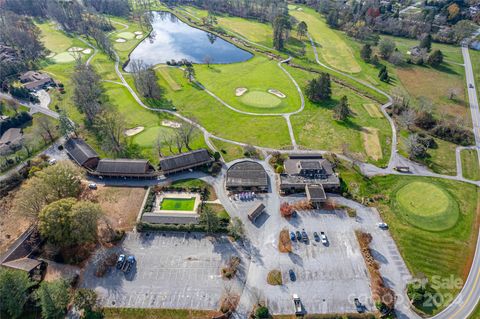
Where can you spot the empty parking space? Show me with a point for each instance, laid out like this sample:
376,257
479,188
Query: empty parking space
174,270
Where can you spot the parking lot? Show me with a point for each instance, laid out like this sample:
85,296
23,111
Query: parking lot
173,270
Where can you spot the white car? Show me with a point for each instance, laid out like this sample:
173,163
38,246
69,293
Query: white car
92,186
52,161
382,225
323,238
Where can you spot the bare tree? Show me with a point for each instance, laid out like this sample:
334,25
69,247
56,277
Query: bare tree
159,142
111,128
186,133
407,118
453,92
46,129
169,141
145,80
208,60
414,146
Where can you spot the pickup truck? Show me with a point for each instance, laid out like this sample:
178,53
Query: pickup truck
298,305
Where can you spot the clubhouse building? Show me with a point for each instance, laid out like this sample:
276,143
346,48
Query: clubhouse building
246,176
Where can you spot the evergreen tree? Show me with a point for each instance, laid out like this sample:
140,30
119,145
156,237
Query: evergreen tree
426,42
341,110
281,26
53,298
332,19
66,125
302,29
319,89
209,219
14,286
435,58
366,53
383,74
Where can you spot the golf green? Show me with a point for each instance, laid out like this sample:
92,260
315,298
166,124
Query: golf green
260,99
427,206
126,35
64,57
185,204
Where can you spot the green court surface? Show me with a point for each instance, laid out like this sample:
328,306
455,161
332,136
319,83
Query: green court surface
184,204
260,99
126,35
427,206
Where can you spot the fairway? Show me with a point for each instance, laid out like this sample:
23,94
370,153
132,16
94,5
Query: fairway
65,57
372,143
260,99
163,71
470,167
372,110
184,204
330,45
427,206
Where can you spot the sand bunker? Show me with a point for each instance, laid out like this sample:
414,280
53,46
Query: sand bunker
277,93
75,49
51,55
139,36
138,32
120,40
240,91
171,124
87,51
134,131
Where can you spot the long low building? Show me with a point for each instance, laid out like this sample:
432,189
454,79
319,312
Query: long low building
81,153
246,176
124,168
185,161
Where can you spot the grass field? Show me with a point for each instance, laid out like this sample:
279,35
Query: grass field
133,313
330,45
470,167
315,127
196,183
229,151
426,206
163,72
372,143
184,204
432,253
373,110
260,99
257,74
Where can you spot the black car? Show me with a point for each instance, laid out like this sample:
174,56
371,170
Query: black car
299,236
359,306
129,264
304,236
292,275
315,235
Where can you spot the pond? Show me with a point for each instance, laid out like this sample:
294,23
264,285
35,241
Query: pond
173,39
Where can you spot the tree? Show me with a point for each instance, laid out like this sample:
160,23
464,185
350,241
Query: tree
407,118
66,125
302,29
86,300
435,58
463,29
145,80
207,60
53,298
415,148
281,26
386,47
453,93
14,291
332,19
426,42
262,312
366,53
87,91
47,128
396,58
67,222
111,129
383,74
60,180
189,72
209,219
236,228
185,134
319,89
341,110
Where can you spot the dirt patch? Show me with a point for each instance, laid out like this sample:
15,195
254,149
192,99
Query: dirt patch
171,124
12,225
120,40
134,131
240,91
120,204
277,93
56,271
372,110
371,143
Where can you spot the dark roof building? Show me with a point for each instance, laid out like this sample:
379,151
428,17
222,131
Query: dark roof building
82,153
246,175
309,169
315,195
184,161
11,136
127,168
33,80
256,212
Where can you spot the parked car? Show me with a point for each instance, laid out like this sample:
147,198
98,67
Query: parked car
292,236
120,261
323,238
315,235
382,225
52,161
297,304
359,306
470,85
291,273
129,264
299,236
92,186
304,236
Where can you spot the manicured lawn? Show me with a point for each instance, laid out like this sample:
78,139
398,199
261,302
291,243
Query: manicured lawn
134,313
432,253
257,75
194,103
185,204
427,206
329,44
123,49
315,127
229,151
196,183
470,165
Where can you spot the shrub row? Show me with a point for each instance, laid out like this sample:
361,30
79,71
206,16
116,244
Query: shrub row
142,227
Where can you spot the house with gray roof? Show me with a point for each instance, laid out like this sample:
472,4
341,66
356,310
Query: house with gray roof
185,161
124,168
33,80
11,140
82,153
246,176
